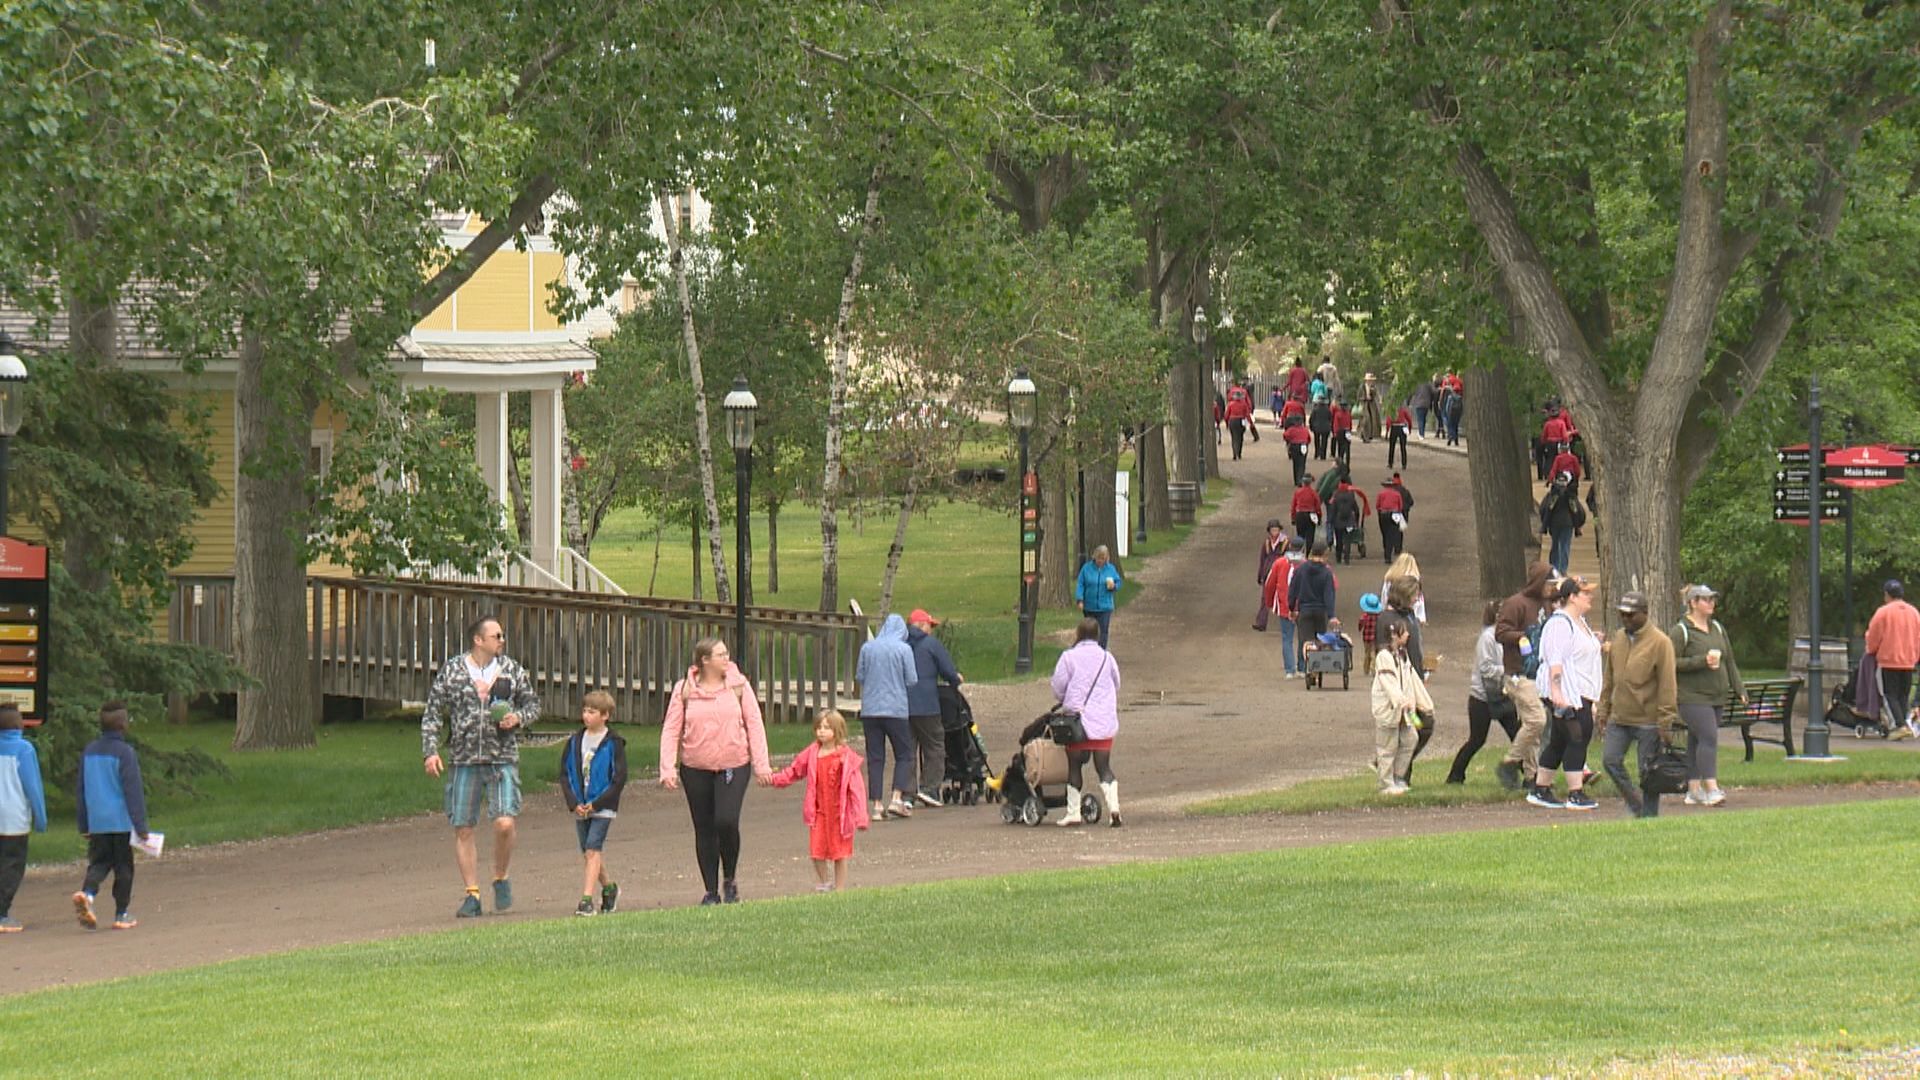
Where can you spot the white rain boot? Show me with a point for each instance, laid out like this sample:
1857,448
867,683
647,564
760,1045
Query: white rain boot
1110,794
1070,815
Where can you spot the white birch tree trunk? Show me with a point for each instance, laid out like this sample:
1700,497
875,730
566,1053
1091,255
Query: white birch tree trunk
837,401
676,254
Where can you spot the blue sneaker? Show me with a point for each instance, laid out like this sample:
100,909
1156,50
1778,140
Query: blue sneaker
502,895
469,908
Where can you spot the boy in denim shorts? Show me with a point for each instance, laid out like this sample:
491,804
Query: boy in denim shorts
593,772
484,700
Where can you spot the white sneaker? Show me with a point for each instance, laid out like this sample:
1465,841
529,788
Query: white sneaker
928,800
1714,798
1695,799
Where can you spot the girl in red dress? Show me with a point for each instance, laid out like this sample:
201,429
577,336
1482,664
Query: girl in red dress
835,805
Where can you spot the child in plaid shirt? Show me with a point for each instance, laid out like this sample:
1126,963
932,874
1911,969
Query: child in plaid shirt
1369,621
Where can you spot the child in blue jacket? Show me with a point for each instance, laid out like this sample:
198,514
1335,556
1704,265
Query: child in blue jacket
593,773
23,807
113,810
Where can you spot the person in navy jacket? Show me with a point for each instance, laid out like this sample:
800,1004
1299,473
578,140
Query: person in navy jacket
112,806
593,773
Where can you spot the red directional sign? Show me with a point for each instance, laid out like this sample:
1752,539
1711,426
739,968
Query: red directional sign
1865,467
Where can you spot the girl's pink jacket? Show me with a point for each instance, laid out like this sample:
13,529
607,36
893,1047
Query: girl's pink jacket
853,787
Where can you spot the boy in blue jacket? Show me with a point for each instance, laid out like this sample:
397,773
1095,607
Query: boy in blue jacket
593,772
113,809
23,807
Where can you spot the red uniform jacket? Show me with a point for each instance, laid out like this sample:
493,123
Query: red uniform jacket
1342,419
1298,435
1389,501
1305,501
1567,463
1402,420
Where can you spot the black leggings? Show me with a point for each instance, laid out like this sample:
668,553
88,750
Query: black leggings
715,798
110,852
1397,436
1480,720
13,870
1567,740
1102,767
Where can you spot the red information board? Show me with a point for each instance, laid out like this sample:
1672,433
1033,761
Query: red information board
24,624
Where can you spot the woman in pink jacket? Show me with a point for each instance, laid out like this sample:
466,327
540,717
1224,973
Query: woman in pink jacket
1087,679
711,735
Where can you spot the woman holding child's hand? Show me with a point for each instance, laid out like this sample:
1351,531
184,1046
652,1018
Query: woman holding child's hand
711,742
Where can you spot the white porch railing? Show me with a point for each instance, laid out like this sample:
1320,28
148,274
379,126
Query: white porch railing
582,576
516,570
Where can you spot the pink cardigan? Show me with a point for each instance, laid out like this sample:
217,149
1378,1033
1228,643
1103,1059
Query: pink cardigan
713,729
853,787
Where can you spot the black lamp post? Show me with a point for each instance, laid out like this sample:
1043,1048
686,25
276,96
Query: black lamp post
13,411
1200,329
740,405
1022,398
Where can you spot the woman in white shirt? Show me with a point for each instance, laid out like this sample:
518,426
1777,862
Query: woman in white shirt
1570,675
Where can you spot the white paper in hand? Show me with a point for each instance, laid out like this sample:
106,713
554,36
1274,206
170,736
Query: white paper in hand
155,843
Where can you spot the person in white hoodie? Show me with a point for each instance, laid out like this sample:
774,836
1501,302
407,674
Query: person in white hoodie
1399,700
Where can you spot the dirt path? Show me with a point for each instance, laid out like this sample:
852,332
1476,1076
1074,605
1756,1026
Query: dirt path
1205,713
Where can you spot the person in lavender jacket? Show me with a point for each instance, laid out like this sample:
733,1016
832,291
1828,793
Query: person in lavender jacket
1087,678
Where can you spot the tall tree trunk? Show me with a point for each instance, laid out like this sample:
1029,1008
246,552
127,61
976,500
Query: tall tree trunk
1209,445
773,547
1153,475
1055,557
279,709
653,578
703,443
517,494
694,518
1102,524
1499,465
898,549
837,399
1183,433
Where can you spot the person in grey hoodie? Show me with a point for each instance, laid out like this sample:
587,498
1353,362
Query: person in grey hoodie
885,671
931,663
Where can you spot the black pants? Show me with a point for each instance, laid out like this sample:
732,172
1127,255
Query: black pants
1397,436
1298,452
13,869
1320,445
1308,626
1391,541
110,852
1897,687
1567,740
1343,541
714,797
1343,447
1237,430
1306,528
1480,720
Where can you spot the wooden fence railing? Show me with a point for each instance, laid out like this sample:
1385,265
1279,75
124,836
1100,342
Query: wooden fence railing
383,640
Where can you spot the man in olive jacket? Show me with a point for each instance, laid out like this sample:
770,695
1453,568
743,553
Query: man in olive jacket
1639,699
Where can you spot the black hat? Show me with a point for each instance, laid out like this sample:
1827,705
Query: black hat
1893,588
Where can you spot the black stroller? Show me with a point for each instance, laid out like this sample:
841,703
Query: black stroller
1841,710
1035,781
965,782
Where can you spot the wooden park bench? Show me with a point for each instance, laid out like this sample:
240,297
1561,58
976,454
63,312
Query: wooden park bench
1769,701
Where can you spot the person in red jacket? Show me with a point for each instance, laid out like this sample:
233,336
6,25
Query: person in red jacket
1553,434
1297,437
1306,508
1293,412
1274,595
1893,639
1566,461
1393,507
835,806
1397,430
1239,414
1342,433
1298,379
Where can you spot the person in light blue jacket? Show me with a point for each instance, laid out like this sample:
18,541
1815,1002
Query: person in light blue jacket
885,671
23,809
1095,589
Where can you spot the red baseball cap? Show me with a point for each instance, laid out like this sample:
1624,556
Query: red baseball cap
920,615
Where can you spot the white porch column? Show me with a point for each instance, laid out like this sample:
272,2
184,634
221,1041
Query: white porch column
490,442
544,504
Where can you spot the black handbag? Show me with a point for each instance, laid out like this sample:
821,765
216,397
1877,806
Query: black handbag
1666,771
1063,724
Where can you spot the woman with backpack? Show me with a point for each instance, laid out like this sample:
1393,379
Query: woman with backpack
1570,675
1706,675
1487,700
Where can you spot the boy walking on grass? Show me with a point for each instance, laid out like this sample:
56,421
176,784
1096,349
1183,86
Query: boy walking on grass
112,807
593,772
23,807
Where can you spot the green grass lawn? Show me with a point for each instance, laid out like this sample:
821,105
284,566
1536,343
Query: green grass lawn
1533,951
960,562
357,774
1768,769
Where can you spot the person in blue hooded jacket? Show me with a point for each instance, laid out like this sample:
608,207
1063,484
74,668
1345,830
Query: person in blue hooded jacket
885,671
112,806
1099,581
23,809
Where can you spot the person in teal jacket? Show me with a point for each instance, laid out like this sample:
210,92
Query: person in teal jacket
1095,589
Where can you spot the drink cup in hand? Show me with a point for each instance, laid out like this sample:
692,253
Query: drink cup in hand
1713,659
1109,584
